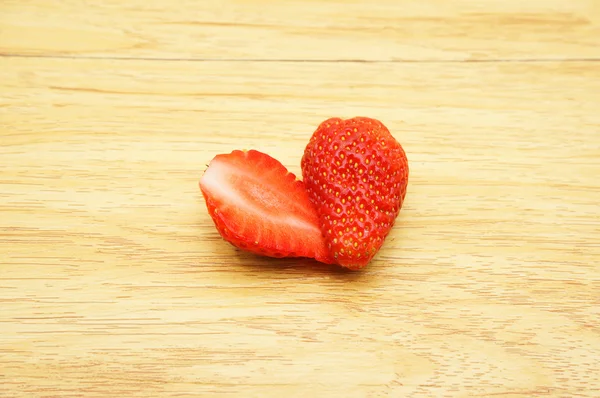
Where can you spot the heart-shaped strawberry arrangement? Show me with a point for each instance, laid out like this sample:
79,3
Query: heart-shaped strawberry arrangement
355,178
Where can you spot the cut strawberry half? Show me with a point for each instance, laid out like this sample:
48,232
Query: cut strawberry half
260,207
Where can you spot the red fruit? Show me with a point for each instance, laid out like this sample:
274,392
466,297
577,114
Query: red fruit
356,175
260,207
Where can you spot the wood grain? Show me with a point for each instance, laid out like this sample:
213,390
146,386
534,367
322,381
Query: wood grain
114,282
303,30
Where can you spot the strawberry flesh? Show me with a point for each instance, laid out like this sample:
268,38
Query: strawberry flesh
260,207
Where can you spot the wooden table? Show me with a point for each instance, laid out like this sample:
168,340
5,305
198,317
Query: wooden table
115,283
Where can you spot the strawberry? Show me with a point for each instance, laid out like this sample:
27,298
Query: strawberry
260,207
356,175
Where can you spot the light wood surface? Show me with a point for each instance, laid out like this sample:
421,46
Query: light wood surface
300,30
114,282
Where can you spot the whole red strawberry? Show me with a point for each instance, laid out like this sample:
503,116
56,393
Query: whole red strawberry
356,175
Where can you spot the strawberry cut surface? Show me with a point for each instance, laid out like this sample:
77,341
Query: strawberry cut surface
258,206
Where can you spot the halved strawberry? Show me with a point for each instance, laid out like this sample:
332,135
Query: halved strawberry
260,207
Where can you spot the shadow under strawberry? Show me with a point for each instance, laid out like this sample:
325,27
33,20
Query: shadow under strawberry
298,266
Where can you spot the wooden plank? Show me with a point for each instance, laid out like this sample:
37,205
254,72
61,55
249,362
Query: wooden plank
115,283
303,30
